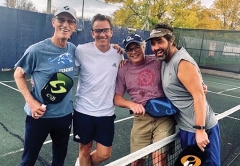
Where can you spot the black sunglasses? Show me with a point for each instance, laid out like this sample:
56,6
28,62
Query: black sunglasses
136,49
99,31
63,20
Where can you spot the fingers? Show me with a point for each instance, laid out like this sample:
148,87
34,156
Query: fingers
205,88
39,112
118,48
140,111
122,63
35,116
203,145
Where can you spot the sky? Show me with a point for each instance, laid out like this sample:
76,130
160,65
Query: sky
91,7
207,3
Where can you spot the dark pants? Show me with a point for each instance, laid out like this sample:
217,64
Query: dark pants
36,132
212,150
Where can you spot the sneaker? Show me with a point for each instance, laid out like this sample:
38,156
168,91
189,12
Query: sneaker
77,162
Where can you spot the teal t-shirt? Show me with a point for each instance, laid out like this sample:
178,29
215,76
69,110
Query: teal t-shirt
43,59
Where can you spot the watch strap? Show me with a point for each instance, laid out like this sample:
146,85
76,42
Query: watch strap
199,127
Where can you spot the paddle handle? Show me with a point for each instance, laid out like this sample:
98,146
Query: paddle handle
43,106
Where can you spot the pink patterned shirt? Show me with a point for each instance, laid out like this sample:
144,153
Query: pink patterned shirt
141,82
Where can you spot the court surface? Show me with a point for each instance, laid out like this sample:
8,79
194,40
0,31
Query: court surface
223,94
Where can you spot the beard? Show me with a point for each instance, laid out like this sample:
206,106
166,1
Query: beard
162,58
166,53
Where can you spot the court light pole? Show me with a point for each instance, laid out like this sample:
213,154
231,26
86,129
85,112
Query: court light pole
82,8
49,3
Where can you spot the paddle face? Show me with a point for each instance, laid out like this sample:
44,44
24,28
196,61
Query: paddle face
191,155
56,88
159,107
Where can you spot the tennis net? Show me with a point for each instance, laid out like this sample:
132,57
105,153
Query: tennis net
168,149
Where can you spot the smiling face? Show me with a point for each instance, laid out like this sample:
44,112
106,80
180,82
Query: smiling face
161,48
64,25
135,53
102,33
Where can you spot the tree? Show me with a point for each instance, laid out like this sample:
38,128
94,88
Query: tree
11,3
21,4
139,14
228,12
132,15
144,14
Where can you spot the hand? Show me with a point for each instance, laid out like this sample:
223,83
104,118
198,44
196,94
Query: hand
202,139
36,108
118,48
205,88
31,81
137,109
123,62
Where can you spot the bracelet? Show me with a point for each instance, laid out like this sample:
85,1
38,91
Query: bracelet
199,127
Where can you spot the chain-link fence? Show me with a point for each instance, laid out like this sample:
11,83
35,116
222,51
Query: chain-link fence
211,49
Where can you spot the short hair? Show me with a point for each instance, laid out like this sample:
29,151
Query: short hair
100,17
143,43
168,37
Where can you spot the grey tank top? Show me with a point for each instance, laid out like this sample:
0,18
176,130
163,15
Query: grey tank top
179,95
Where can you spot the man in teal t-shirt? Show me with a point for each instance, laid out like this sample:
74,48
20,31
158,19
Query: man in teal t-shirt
41,61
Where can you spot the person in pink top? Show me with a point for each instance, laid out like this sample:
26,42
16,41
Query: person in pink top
140,77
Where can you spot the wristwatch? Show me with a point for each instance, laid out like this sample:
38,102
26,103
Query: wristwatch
199,127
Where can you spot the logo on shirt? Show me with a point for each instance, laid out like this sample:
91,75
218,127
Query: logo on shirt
145,78
62,59
114,65
63,63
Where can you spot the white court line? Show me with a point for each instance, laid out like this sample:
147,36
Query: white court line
219,116
228,112
13,81
9,86
222,78
47,142
227,90
236,87
223,94
50,141
13,152
8,81
220,83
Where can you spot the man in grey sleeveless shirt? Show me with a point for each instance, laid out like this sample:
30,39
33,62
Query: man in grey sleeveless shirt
182,84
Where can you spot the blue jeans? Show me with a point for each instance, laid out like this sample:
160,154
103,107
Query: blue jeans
36,132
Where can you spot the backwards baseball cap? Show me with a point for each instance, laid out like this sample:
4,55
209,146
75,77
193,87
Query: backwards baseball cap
133,38
159,32
66,9
191,155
